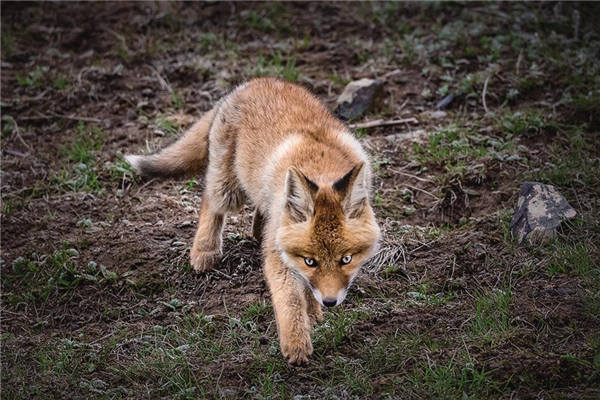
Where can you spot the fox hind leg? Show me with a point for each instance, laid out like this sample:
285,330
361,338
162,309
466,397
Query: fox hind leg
258,225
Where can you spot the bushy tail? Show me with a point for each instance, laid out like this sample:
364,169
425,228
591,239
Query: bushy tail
187,156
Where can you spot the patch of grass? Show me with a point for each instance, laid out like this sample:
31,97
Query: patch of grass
267,376
448,146
168,127
33,79
60,82
38,277
567,257
391,353
573,163
492,314
256,310
519,123
452,380
272,17
8,42
335,330
277,65
423,297
85,143
82,172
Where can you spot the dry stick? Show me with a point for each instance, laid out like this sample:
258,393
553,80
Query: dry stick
391,73
17,134
411,175
71,117
163,82
519,59
485,84
422,190
380,122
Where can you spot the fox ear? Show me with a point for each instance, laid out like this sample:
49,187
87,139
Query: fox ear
354,190
299,192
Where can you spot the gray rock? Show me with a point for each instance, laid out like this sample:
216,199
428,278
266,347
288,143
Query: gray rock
539,211
357,97
553,292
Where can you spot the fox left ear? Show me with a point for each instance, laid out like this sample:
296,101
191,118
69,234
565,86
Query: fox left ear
299,192
354,190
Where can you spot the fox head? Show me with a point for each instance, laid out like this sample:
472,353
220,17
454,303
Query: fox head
327,232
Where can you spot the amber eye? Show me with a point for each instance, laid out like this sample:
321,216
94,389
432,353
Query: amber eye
347,259
311,262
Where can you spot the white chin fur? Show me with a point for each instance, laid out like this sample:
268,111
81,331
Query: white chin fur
318,296
134,161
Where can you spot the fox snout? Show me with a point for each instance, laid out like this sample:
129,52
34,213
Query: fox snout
330,298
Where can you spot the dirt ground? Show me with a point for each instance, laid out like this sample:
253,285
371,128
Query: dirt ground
98,297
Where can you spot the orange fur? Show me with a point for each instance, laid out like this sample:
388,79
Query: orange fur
274,144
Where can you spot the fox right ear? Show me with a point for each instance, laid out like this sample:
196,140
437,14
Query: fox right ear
299,192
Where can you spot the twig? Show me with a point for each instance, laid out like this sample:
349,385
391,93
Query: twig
391,73
162,80
422,190
411,175
70,117
17,134
380,122
15,153
485,85
519,59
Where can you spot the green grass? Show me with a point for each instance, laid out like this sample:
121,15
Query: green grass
256,310
492,317
276,65
39,277
573,163
423,297
452,380
449,146
34,79
571,257
81,172
335,330
8,42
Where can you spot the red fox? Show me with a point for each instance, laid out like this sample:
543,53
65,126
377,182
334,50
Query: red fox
275,145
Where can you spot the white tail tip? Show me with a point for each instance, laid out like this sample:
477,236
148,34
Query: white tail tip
134,161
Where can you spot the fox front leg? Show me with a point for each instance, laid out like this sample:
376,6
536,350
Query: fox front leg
289,302
206,250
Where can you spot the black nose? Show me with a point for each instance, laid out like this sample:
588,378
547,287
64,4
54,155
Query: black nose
329,302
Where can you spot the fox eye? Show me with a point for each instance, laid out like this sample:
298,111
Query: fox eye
346,259
311,262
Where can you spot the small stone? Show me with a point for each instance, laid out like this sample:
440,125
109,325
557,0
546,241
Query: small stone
539,212
439,114
148,92
185,224
263,340
357,97
445,102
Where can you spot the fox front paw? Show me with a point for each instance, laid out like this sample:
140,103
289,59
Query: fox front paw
298,350
203,261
